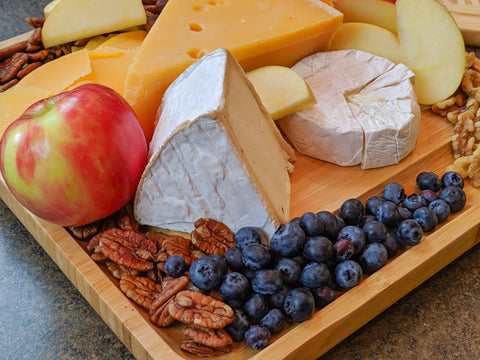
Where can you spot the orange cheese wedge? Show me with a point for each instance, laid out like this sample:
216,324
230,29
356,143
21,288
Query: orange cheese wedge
270,32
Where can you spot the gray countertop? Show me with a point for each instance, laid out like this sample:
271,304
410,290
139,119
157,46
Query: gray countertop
43,316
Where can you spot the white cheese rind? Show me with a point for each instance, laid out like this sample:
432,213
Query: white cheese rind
215,153
366,112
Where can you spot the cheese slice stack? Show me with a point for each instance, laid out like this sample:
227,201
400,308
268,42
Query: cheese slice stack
215,153
366,110
258,33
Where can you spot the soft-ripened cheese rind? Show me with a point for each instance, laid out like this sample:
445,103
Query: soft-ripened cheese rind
271,32
215,153
366,111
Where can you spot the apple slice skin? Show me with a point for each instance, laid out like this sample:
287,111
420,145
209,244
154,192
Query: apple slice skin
429,42
433,48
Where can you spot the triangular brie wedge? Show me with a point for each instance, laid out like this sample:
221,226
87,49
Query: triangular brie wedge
215,153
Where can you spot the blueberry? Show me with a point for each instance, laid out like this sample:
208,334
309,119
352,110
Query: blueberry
175,266
300,260
344,250
296,220
373,258
288,240
248,273
348,274
255,307
276,299
452,178
332,224
256,256
311,224
394,192
267,281
388,214
414,202
409,232
247,235
428,180
240,324
375,231
426,217
221,262
441,208
372,204
274,321
391,244
351,211
299,304
235,286
356,236
404,213
315,275
365,219
454,196
233,257
235,303
290,270
323,296
257,337
318,248
429,195
206,273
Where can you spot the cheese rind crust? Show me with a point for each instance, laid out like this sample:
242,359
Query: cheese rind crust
366,110
215,153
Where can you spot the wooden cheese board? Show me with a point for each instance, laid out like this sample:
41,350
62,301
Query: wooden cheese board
316,186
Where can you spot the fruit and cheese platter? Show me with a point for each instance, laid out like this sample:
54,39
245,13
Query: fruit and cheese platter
223,161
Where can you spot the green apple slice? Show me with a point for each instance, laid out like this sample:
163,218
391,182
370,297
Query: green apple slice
281,90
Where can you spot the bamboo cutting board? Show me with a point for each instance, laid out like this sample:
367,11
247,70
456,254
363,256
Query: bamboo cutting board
467,15
316,185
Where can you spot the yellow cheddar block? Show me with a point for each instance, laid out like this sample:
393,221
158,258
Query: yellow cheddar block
15,101
57,75
111,60
270,32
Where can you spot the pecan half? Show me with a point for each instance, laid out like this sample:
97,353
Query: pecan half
159,310
84,232
8,51
10,67
124,247
178,245
202,350
212,237
194,308
141,290
119,271
94,247
216,338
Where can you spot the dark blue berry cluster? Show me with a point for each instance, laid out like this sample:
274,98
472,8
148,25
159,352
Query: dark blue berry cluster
313,257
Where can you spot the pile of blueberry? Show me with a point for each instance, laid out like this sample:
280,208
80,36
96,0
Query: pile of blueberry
312,257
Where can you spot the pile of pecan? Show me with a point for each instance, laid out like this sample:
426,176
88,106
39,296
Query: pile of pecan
18,60
136,258
463,110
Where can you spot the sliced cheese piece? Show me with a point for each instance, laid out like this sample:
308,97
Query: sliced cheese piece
110,60
15,101
215,153
59,74
272,32
366,112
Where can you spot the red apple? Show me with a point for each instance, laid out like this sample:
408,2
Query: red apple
76,157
